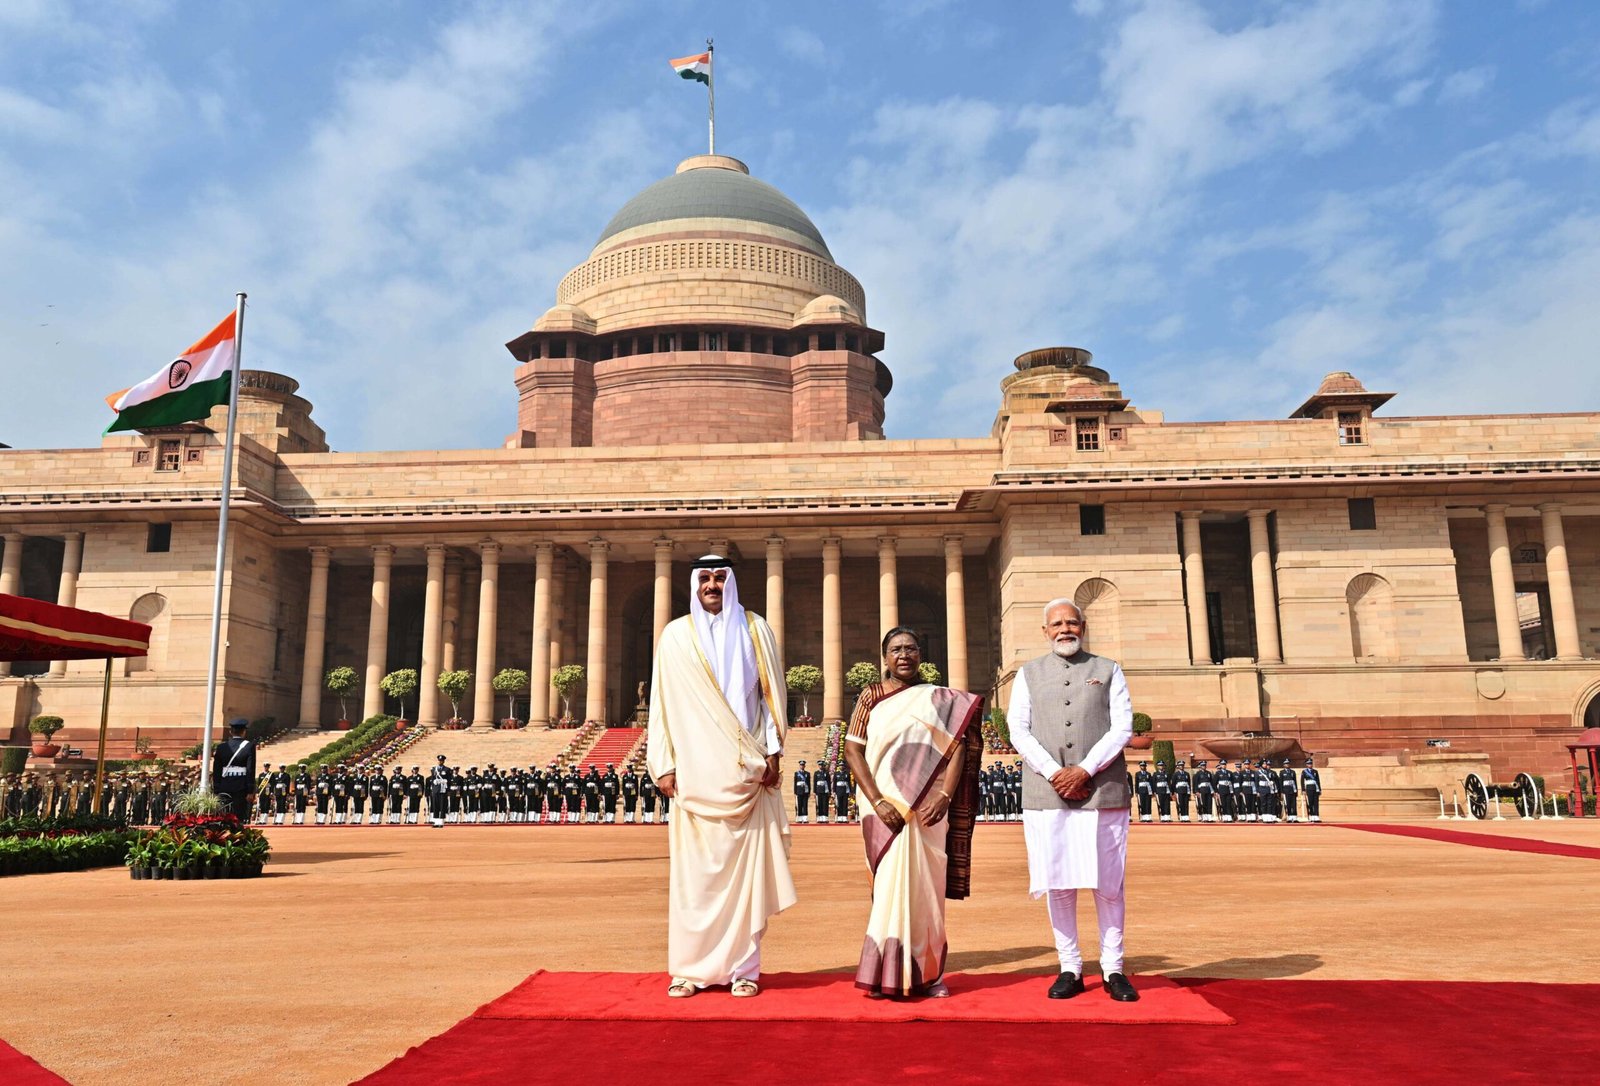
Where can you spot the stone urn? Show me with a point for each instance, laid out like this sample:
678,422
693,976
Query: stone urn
1253,747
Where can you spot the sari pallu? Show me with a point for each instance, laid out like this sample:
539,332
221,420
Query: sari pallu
912,733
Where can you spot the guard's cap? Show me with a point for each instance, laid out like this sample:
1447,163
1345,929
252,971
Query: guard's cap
238,724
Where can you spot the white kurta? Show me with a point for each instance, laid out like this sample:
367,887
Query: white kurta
729,837
1073,848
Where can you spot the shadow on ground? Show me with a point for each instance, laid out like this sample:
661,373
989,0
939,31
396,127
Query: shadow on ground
281,857
1272,968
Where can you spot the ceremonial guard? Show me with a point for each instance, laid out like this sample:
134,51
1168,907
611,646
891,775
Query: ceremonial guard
802,793
1223,781
648,792
324,793
123,797
630,796
1144,786
455,803
552,794
263,794
516,799
985,798
1311,785
1205,791
1267,790
1182,785
160,799
1016,792
1163,786
822,789
358,795
341,796
300,786
666,805
438,792
1289,792
610,790
377,791
397,795
841,793
415,787
233,770
572,795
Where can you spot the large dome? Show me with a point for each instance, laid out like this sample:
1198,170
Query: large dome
715,187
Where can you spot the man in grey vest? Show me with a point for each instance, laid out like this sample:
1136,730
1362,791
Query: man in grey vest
1070,717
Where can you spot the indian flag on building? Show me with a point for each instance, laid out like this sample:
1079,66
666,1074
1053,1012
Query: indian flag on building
185,389
697,67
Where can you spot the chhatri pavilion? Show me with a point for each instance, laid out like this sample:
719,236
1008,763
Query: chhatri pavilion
708,380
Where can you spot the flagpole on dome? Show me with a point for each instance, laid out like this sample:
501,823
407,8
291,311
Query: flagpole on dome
711,94
222,543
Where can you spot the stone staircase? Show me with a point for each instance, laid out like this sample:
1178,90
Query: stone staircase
614,747
504,747
290,747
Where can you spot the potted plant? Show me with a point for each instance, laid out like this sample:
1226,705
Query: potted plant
862,675
803,679
929,674
1141,732
453,685
510,681
341,683
42,728
400,685
142,749
566,680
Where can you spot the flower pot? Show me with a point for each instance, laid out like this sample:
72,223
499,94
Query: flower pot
342,725
135,874
145,755
212,871
43,748
1141,742
402,724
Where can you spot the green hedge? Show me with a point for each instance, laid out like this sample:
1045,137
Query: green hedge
13,759
33,824
353,742
32,855
1161,751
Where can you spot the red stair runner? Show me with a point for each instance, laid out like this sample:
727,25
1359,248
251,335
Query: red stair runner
613,747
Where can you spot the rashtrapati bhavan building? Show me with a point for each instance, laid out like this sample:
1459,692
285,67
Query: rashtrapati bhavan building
707,380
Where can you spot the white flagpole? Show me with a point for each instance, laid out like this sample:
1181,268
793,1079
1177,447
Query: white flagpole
711,94
222,543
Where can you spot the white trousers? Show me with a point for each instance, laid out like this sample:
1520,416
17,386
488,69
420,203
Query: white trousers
750,968
1110,909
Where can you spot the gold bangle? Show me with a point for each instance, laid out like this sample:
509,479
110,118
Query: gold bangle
942,792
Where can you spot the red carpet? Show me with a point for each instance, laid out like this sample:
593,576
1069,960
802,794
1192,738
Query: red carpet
613,747
19,1070
833,997
1294,1031
1482,840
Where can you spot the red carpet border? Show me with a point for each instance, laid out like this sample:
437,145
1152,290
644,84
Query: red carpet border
19,1070
1293,1031
1480,840
833,997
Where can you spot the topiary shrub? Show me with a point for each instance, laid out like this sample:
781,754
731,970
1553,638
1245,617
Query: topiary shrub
862,675
13,759
1161,751
1141,723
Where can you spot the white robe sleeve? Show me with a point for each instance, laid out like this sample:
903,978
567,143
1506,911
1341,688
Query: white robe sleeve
1121,732
1019,718
660,759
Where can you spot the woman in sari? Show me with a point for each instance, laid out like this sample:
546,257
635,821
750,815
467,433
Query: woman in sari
914,749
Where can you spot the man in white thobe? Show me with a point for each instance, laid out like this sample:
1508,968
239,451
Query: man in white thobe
716,732
1070,716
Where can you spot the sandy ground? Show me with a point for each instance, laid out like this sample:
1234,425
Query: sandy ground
364,941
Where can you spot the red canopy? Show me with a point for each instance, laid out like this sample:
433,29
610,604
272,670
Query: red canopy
35,630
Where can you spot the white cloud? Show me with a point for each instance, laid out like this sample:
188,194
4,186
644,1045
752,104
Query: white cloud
803,45
1466,85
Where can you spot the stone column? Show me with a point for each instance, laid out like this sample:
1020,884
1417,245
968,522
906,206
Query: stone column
1194,582
832,634
539,669
488,625
452,613
67,588
1507,629
1563,611
663,591
10,577
888,586
377,631
432,638
594,697
1269,649
774,615
316,640
955,612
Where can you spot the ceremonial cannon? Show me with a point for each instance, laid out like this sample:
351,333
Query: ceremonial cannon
1523,791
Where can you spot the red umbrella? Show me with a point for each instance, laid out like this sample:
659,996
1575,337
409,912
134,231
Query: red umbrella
37,631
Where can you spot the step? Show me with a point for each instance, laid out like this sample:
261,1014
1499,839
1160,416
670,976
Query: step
504,747
613,747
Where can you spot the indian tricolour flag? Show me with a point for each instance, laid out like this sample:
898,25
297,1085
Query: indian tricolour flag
185,389
697,67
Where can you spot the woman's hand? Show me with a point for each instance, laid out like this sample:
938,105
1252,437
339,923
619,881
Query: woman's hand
889,815
933,809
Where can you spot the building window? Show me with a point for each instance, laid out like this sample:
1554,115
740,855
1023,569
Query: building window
713,341
735,341
558,348
760,345
1363,515
1350,428
852,344
1116,434
1088,431
141,458
827,341
194,456
157,538
623,348
1091,520
171,455
664,343
780,346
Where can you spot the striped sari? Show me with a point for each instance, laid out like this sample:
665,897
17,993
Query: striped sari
909,734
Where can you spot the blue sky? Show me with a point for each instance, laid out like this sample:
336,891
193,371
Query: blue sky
1223,201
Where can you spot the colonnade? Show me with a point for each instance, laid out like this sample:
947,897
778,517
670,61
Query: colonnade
441,601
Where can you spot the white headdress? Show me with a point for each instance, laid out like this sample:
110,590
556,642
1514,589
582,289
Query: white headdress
735,664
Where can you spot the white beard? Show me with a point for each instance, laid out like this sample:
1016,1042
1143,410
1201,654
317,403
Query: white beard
1067,646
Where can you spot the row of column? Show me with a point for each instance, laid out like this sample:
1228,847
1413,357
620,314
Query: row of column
66,587
1263,588
443,586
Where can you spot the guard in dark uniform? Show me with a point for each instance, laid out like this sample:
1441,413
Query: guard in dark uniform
397,796
572,796
822,791
841,792
647,797
1311,785
552,794
1144,786
1223,782
1182,786
1163,786
1016,792
280,785
1289,792
666,805
341,797
802,793
1205,791
264,794
630,797
302,785
323,789
233,770
455,798
1267,789
610,792
358,795
591,795
438,791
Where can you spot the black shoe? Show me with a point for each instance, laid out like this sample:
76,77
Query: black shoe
1119,989
1066,986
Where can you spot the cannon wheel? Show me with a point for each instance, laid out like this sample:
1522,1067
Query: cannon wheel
1530,804
1477,796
